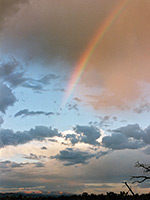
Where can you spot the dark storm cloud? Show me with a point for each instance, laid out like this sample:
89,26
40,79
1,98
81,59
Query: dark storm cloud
7,98
9,8
13,74
73,156
26,112
9,137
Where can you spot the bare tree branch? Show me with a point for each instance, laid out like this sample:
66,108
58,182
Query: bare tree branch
143,178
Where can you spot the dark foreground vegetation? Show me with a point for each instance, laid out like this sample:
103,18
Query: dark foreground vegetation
84,196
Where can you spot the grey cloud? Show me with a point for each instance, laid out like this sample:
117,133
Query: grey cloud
107,120
130,137
73,106
143,107
88,134
1,120
12,73
120,141
147,150
85,134
73,156
39,164
9,137
34,157
7,97
73,138
9,164
44,148
146,135
102,153
131,130
26,112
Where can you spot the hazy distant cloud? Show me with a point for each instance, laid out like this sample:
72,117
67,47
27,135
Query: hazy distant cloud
7,97
26,112
9,137
73,156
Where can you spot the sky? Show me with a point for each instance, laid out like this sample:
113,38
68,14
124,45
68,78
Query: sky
74,95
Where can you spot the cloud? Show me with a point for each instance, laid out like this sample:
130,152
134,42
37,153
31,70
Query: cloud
50,32
39,164
9,8
143,107
146,135
131,130
147,150
9,137
1,120
34,157
88,134
7,97
127,137
77,99
120,141
73,156
44,148
73,106
26,112
85,134
9,164
13,74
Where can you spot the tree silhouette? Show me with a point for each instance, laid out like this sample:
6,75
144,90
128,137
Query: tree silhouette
141,178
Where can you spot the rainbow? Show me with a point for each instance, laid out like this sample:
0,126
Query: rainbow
82,63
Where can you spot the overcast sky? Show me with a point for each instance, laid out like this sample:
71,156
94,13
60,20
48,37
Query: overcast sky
91,140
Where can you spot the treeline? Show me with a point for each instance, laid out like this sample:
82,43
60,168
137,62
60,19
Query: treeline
84,196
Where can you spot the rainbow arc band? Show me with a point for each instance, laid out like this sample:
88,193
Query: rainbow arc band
86,55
